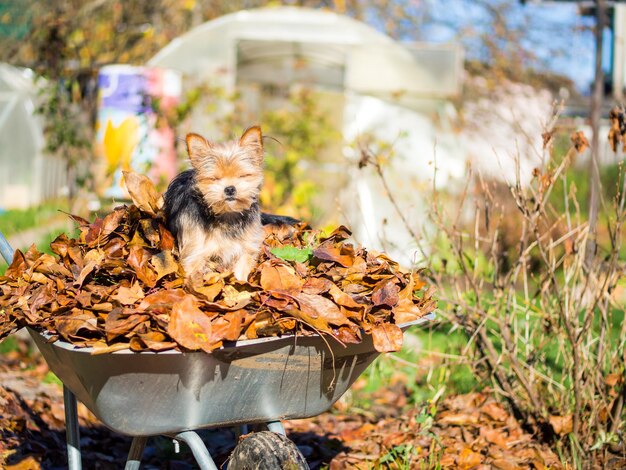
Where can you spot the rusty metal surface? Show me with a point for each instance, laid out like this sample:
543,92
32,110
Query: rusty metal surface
251,381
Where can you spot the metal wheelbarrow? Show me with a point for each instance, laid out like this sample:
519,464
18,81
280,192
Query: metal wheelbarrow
173,393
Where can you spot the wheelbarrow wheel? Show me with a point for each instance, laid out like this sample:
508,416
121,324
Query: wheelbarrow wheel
266,451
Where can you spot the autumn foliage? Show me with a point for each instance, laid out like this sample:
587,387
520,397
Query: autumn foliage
119,285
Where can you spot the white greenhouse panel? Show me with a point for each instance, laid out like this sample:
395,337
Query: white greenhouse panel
420,70
27,174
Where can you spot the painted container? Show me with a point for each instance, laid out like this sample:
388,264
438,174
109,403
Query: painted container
132,129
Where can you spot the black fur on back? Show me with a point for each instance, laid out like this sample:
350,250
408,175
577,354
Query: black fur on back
272,219
183,197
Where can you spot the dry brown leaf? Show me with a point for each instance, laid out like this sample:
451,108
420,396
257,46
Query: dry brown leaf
142,192
167,239
458,419
447,461
387,337
191,327
331,253
129,295
494,436
612,380
230,326
164,263
101,347
86,271
318,285
495,411
506,464
138,259
210,291
77,327
580,142
280,278
386,293
318,307
149,232
348,335
339,234
561,424
164,298
122,322
151,341
27,463
468,459
343,299
406,311
232,296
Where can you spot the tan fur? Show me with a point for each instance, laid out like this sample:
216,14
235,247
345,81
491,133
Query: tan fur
197,248
218,166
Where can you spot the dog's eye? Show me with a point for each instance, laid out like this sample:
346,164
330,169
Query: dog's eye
249,175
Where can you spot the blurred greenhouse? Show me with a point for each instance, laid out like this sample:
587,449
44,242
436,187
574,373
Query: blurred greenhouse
29,175
374,88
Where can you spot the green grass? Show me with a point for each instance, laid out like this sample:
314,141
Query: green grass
8,345
43,244
435,369
50,378
17,220
400,456
441,367
14,221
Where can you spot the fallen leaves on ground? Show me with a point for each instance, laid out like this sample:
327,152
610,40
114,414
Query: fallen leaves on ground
459,433
119,285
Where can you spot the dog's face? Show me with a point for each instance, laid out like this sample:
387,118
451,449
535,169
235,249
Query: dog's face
229,175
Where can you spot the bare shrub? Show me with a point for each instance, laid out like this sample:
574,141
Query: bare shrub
543,324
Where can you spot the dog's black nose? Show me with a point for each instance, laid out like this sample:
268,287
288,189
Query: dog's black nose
230,191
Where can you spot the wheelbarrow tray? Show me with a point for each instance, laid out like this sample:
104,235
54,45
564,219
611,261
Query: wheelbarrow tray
250,381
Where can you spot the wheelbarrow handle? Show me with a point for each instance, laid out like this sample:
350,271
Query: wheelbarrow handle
5,249
71,415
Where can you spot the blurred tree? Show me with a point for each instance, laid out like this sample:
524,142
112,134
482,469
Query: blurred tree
507,41
67,41
64,35
304,131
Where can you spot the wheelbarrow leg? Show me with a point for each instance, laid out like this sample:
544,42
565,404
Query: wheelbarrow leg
72,435
136,451
277,427
200,452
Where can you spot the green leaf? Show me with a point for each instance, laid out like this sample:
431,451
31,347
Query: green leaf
292,253
50,378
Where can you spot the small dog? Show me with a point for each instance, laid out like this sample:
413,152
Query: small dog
213,208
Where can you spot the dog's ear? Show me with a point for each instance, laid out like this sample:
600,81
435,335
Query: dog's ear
252,139
197,147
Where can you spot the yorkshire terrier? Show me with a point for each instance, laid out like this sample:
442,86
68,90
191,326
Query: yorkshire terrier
213,208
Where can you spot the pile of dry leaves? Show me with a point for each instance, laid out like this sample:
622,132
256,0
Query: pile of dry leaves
119,285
